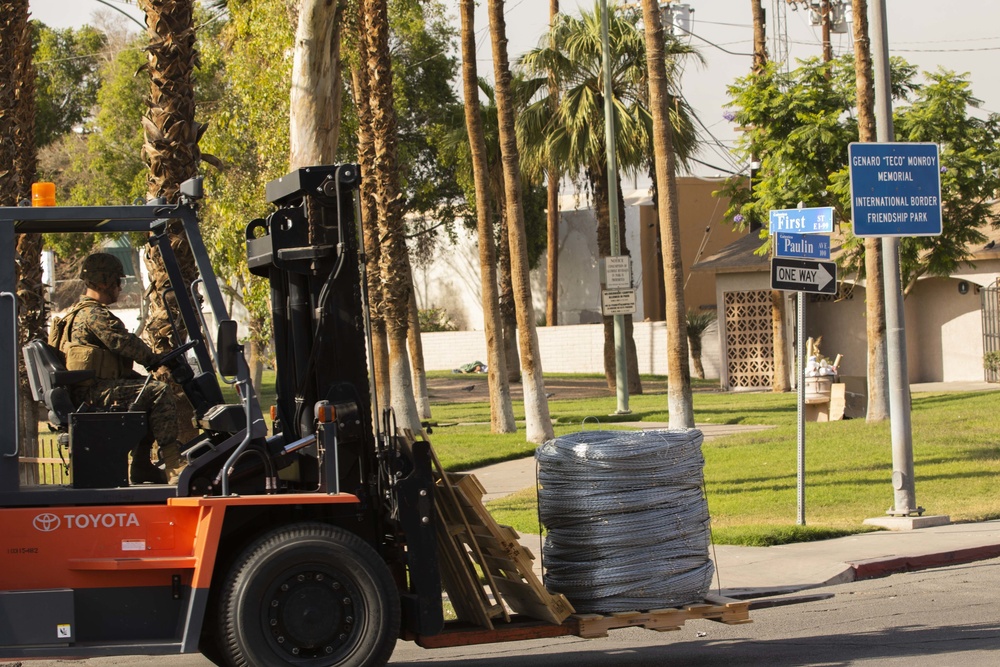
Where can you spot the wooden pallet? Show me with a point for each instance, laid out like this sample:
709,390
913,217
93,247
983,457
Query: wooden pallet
477,554
508,563
714,608
591,626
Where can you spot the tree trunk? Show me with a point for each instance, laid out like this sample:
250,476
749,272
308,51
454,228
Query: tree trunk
17,171
369,217
679,399
536,406
417,357
552,210
316,96
394,259
781,382
171,147
501,410
256,362
875,324
508,311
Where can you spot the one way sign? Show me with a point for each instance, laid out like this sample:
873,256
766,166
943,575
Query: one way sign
800,275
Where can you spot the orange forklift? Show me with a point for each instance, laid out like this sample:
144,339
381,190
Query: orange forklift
312,544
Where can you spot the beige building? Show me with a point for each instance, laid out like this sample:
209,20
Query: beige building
951,322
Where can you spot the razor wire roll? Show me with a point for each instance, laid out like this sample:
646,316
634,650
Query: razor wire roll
627,521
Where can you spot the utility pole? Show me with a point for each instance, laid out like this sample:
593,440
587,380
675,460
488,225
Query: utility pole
825,17
621,371
759,36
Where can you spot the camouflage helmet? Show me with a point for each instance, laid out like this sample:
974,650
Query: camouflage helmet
101,268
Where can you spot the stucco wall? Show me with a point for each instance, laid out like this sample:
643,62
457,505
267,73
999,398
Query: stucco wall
568,349
944,340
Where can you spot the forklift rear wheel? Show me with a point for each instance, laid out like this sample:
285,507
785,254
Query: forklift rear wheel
309,594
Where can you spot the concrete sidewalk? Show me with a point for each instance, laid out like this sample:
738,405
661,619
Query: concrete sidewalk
758,570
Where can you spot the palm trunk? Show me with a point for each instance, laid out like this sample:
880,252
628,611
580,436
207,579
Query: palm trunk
679,399
394,260
501,410
369,217
536,406
875,323
508,311
780,381
316,95
171,147
17,171
552,212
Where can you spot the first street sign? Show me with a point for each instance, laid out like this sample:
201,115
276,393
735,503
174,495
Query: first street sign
802,220
895,189
800,275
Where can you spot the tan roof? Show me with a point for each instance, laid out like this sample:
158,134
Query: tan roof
737,257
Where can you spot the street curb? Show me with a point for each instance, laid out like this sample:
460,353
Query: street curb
883,567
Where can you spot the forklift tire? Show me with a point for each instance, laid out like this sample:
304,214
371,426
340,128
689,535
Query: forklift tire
309,594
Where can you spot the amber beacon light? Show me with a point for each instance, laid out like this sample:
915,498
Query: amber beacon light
43,194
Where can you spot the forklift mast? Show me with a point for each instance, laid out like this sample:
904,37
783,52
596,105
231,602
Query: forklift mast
309,249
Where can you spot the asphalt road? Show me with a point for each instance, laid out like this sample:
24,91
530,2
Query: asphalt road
943,617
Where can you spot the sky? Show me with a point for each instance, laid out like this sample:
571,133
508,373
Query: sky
962,36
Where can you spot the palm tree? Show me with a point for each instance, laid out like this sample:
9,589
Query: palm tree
552,175
501,411
459,141
679,387
780,380
571,54
171,145
536,406
369,213
393,261
698,321
875,319
17,171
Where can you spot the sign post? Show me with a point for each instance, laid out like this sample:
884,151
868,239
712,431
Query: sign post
796,234
895,192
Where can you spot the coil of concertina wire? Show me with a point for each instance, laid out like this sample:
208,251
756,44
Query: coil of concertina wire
626,518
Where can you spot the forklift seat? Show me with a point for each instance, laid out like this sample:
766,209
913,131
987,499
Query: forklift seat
50,381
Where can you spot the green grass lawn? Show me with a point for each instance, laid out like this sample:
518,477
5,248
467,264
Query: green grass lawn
750,478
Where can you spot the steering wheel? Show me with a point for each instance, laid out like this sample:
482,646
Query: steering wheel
167,357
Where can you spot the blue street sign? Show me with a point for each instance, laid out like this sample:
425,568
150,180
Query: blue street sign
813,246
802,220
895,189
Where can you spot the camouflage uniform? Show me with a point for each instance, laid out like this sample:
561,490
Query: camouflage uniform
93,332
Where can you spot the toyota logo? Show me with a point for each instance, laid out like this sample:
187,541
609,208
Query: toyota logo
46,522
